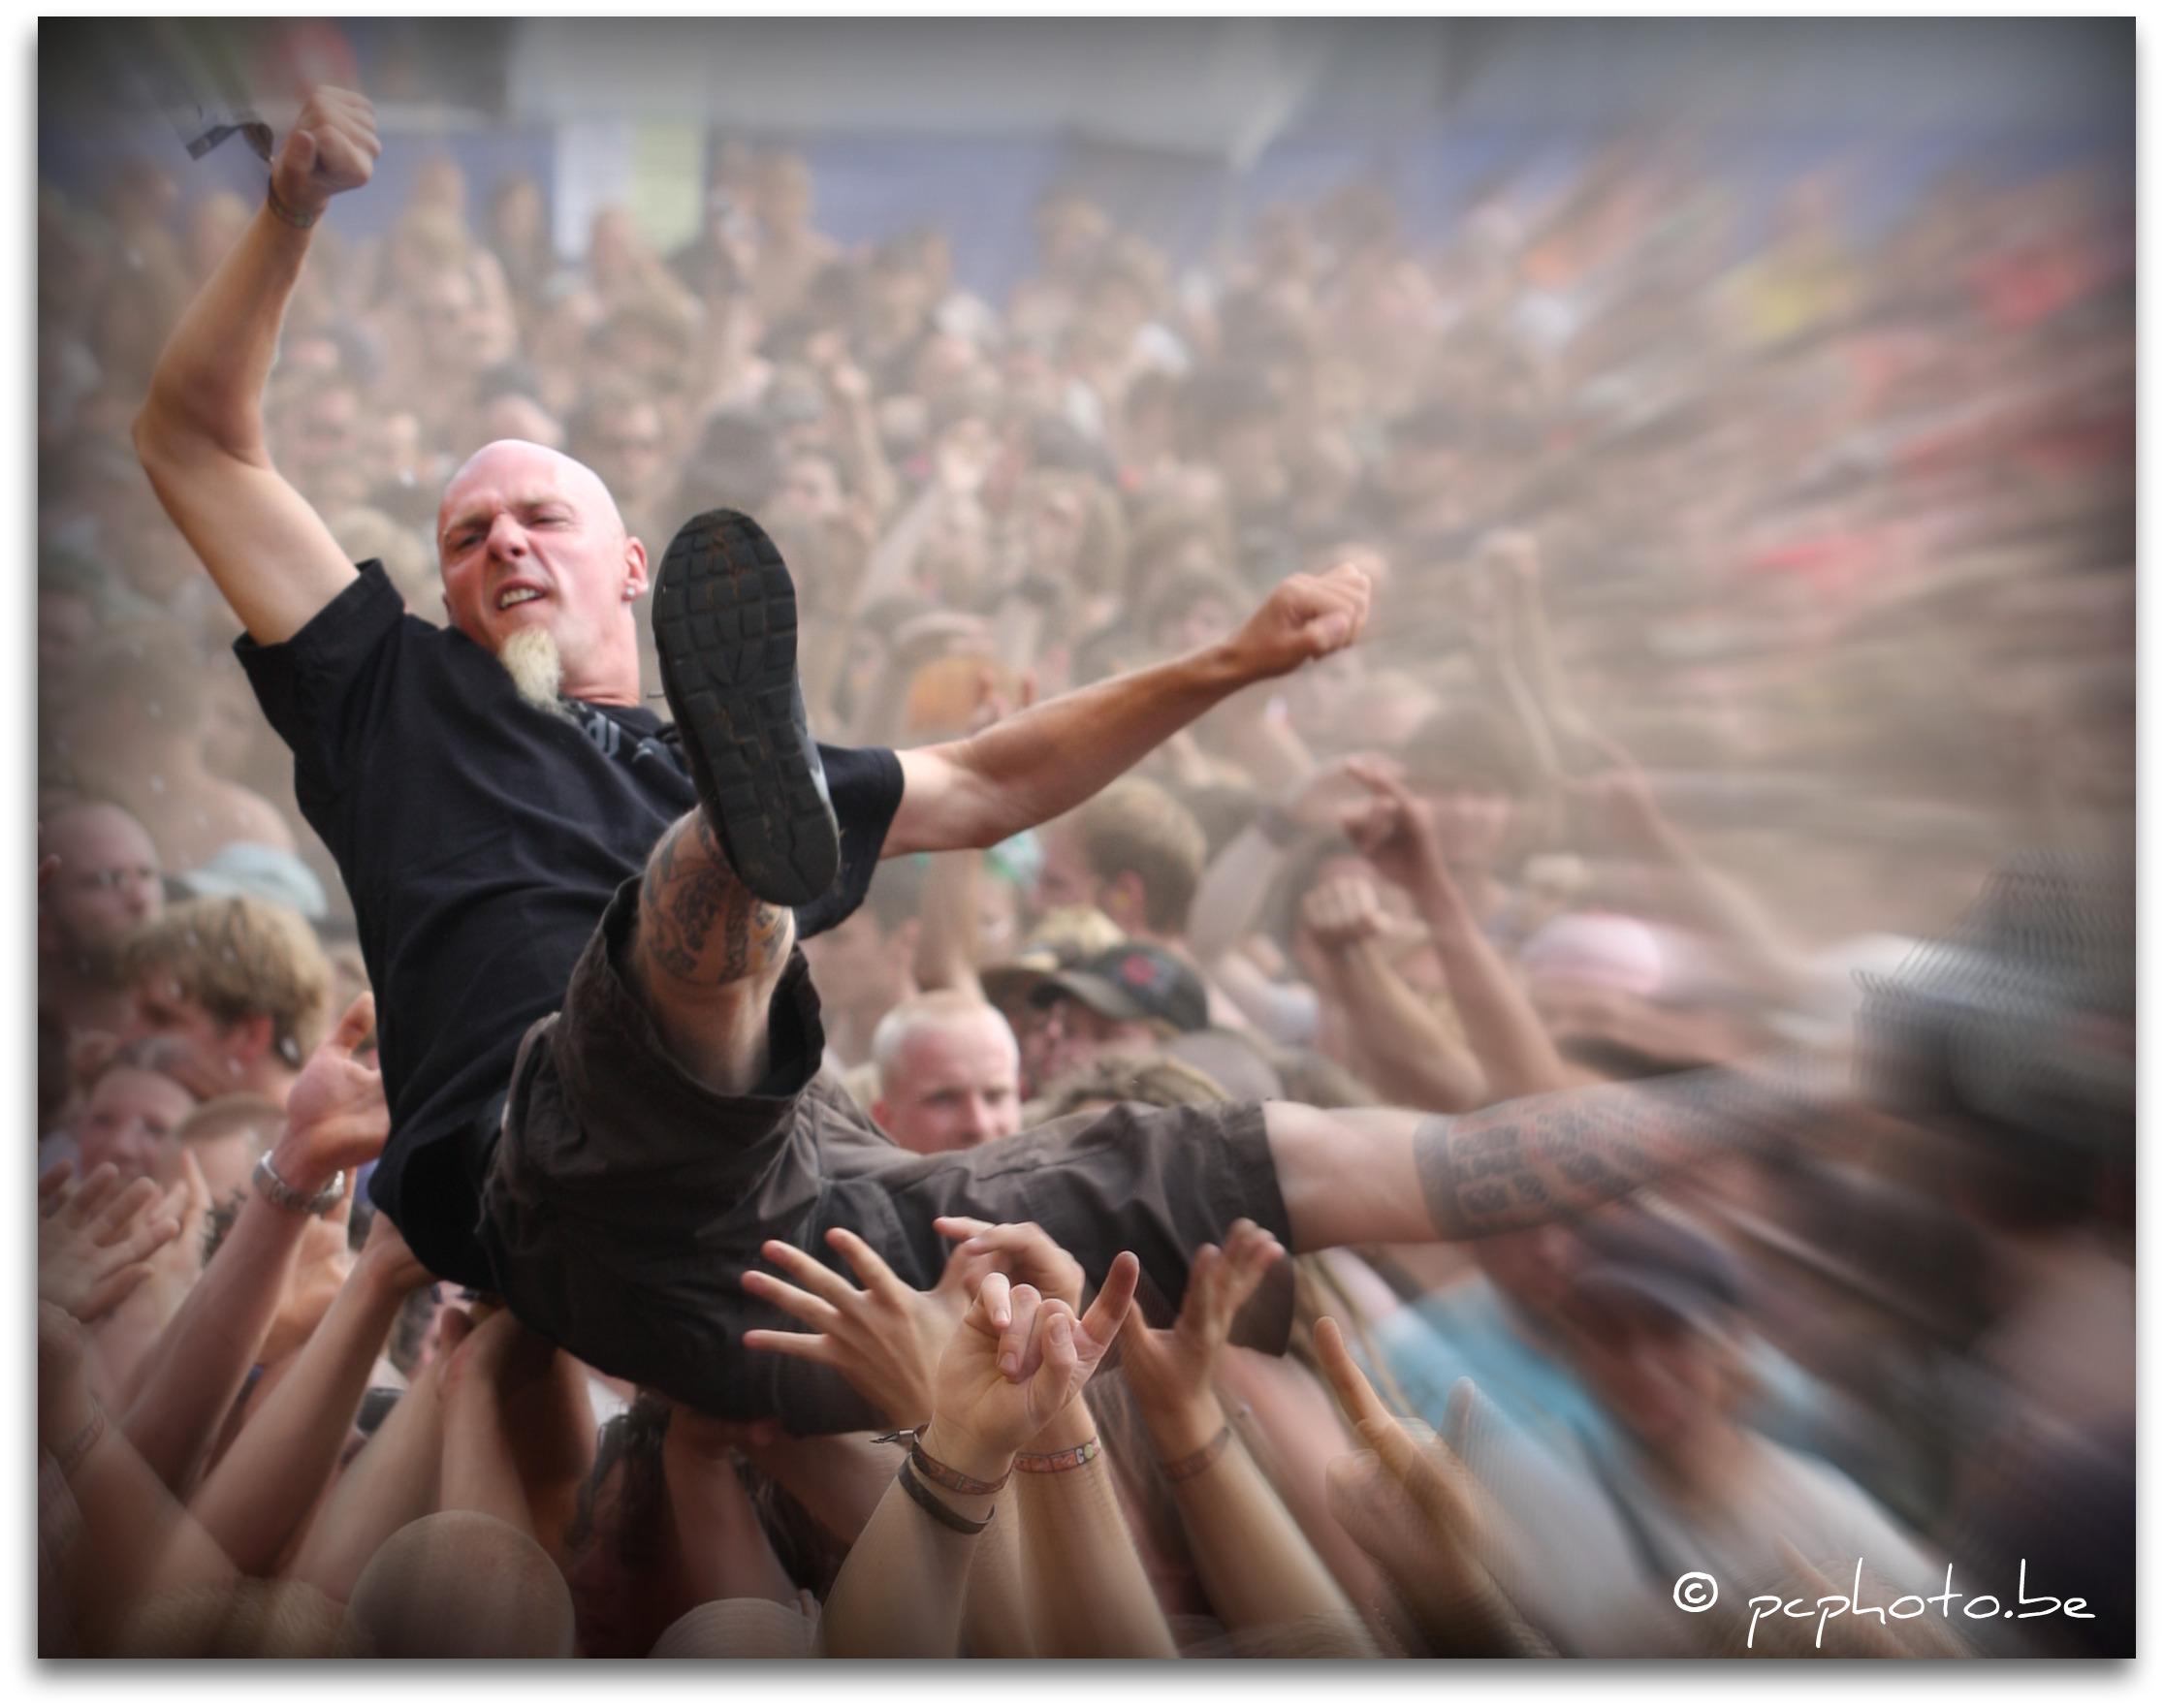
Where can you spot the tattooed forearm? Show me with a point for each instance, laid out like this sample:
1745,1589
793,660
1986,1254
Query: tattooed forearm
1563,1153
697,921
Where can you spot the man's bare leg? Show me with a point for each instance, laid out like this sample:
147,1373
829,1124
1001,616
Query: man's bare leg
1356,1175
706,957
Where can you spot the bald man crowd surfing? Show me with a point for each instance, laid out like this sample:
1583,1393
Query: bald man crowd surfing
599,1041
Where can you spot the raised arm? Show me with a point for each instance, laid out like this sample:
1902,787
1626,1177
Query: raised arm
1516,1055
200,434
260,1492
336,1119
1256,1567
1015,1366
1039,763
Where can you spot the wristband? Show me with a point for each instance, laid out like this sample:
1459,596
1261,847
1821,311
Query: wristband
947,1477
1178,1470
1067,1459
936,1508
273,1186
299,222
78,1449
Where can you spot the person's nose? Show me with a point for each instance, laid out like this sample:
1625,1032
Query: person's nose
506,538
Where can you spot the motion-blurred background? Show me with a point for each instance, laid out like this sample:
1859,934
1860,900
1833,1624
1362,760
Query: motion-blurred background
1737,418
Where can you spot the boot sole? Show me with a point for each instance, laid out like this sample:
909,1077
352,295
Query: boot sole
725,625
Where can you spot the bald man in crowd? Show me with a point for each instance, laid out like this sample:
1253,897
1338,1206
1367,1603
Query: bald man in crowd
950,1073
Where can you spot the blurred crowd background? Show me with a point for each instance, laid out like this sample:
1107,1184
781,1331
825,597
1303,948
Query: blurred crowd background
1737,422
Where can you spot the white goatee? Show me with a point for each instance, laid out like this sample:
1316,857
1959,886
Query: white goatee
535,667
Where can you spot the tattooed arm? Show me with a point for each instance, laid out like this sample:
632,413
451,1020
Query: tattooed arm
1354,1176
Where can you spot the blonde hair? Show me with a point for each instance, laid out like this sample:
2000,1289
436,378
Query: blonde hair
1133,825
239,957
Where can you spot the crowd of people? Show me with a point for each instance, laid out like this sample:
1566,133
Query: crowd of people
1735,608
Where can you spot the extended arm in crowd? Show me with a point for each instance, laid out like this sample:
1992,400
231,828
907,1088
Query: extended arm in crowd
1418,1514
254,1502
1013,1367
1256,1566
1041,762
1386,1176
200,434
1515,1055
336,1119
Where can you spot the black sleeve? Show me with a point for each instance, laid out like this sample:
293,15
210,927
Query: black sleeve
864,785
319,688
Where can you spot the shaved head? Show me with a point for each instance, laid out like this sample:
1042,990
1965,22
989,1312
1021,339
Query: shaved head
529,538
572,478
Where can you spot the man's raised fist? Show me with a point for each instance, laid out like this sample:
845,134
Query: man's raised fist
333,146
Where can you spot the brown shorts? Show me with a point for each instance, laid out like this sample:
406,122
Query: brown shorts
625,1199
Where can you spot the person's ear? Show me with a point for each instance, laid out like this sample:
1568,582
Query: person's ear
1123,903
247,1041
882,1115
636,579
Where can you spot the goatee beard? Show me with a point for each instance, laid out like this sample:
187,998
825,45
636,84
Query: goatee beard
535,668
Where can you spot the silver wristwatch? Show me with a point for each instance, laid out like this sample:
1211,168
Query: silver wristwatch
268,1183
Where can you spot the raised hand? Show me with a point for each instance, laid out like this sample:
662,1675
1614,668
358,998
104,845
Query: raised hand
1420,1515
1343,911
1020,1251
1394,831
1305,616
179,1262
983,1413
885,1337
96,1240
1621,801
1169,1370
335,1114
332,147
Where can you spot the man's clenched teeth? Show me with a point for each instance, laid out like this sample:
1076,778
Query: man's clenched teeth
517,596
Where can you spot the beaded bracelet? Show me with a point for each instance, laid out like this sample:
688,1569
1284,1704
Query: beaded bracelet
78,1449
936,1508
299,221
1178,1470
1067,1459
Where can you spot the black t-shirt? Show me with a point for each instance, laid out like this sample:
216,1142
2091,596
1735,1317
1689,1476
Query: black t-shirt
480,838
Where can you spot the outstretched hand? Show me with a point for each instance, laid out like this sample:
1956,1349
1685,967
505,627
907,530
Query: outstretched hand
886,1337
1342,911
1305,616
1621,801
332,147
335,1114
1395,833
1421,1514
1169,1369
96,1240
983,1413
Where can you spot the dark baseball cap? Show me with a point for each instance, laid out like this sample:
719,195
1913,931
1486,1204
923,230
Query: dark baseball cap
1651,1260
1133,981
